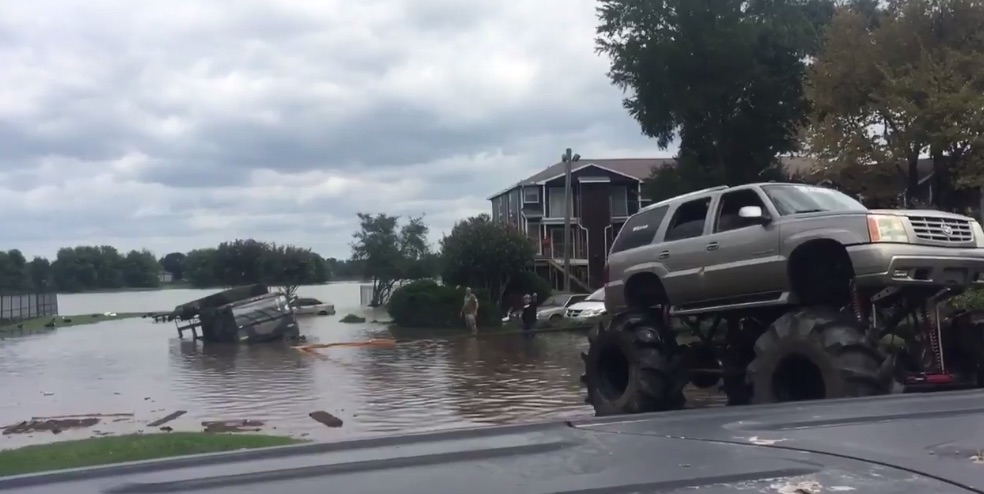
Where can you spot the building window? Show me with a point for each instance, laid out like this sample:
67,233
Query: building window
531,195
502,208
619,196
556,206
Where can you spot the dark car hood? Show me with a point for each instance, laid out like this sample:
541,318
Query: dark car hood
919,444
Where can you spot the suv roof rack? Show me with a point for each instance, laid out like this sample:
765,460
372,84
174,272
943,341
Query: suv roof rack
684,196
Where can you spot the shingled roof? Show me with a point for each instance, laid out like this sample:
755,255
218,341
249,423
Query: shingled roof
639,168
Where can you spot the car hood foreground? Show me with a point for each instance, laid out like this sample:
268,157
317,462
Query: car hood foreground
918,444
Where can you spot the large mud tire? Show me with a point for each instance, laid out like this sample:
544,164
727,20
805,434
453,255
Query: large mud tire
822,348
630,369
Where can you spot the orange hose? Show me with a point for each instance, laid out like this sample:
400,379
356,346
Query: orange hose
371,343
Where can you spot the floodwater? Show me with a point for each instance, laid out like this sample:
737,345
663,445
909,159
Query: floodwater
140,371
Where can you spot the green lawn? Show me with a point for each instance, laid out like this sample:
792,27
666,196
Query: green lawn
39,323
119,449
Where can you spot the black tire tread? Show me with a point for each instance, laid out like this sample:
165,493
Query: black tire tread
658,384
837,337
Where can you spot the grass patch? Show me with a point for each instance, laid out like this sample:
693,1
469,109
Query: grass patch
352,318
52,322
120,449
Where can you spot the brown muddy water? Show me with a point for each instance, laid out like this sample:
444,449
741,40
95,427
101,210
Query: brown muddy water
135,372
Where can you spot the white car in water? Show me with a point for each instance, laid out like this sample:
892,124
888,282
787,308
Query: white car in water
311,306
593,306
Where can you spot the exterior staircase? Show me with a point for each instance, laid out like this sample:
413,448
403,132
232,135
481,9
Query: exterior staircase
556,261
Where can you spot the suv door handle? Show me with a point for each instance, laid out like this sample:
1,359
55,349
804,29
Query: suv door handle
712,246
664,254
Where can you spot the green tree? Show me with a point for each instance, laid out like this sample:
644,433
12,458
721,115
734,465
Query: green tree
201,268
39,271
13,272
389,254
141,270
484,254
88,268
724,77
895,82
174,263
288,266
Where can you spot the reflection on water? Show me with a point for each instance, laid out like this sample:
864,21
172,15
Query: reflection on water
430,380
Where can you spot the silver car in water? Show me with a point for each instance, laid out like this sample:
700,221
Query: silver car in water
592,306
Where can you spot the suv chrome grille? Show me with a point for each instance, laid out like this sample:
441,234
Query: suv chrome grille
946,230
573,313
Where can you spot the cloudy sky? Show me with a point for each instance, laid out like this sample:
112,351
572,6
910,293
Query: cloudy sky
172,125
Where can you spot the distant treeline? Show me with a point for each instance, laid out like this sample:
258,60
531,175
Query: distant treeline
90,267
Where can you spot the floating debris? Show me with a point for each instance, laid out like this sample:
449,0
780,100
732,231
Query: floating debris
54,426
163,420
233,425
326,418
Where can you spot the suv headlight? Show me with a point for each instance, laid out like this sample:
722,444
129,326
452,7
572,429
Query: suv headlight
887,228
975,226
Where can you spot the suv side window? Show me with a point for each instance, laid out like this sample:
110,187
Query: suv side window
732,202
639,230
688,221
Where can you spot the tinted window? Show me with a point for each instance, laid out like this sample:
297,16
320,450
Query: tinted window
689,219
639,230
793,198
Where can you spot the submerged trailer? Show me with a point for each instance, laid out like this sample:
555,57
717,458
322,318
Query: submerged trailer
250,314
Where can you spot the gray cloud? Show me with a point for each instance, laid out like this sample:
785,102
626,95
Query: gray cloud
174,125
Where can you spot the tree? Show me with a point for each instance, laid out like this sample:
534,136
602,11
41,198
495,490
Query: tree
388,255
141,270
725,77
174,263
289,267
485,254
201,268
39,271
13,272
893,83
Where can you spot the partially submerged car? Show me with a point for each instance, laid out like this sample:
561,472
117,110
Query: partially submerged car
590,308
311,306
248,314
553,308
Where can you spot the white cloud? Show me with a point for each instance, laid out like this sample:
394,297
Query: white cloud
175,125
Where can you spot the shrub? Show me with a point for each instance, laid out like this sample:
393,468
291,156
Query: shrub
523,283
972,299
425,304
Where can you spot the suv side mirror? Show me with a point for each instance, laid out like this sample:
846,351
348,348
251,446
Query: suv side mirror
753,214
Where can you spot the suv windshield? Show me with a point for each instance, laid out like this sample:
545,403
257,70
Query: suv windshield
792,199
597,296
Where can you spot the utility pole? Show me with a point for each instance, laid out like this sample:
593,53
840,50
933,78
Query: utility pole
569,159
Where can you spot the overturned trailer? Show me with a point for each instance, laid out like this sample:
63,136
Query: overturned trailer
249,314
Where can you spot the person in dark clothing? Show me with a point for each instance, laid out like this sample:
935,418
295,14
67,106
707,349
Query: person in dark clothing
529,312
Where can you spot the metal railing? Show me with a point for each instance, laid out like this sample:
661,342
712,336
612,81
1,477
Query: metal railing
19,307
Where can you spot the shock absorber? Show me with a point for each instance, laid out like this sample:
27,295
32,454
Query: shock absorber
857,304
931,331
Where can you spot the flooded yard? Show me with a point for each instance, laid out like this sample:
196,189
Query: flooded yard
135,372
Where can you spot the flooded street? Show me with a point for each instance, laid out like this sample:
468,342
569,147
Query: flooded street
431,380
136,372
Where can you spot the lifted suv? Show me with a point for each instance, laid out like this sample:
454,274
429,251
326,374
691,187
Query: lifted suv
787,292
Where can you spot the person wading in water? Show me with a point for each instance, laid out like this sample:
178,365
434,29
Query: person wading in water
529,313
470,311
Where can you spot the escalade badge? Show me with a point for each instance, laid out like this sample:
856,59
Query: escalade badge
947,230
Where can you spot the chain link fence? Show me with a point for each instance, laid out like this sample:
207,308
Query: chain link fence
19,307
